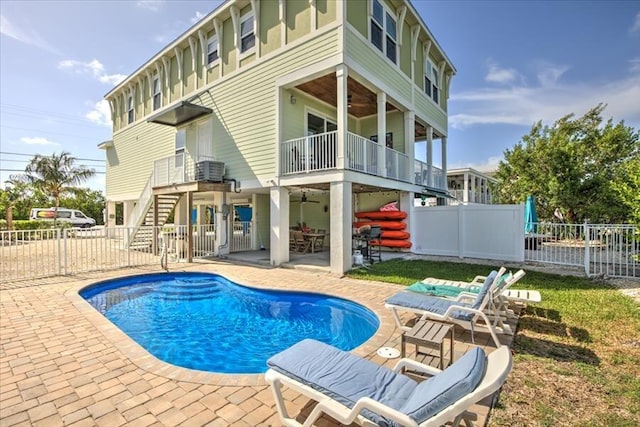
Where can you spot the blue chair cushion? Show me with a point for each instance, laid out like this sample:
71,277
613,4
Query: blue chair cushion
343,376
429,304
486,286
441,290
440,391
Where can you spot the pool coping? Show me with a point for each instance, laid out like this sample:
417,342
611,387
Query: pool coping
139,356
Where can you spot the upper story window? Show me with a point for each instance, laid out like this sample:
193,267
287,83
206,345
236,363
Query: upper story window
431,80
212,49
181,142
383,31
247,32
157,93
131,113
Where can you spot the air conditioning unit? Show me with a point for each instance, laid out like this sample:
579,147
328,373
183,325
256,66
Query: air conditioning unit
209,171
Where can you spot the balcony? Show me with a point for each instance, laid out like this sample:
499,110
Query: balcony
319,153
179,169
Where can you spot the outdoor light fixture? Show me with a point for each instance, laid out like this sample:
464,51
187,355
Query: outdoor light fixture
292,99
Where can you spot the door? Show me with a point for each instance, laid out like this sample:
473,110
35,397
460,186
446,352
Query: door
205,141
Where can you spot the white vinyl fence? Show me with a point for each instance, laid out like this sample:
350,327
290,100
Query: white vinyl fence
470,231
45,253
611,250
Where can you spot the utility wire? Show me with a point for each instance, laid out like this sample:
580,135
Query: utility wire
32,155
49,132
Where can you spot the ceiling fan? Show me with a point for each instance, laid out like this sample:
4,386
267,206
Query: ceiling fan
304,199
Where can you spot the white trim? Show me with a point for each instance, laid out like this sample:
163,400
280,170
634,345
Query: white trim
402,12
313,15
179,56
385,11
255,6
166,62
282,14
193,46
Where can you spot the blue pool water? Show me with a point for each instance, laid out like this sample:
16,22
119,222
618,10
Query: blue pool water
204,321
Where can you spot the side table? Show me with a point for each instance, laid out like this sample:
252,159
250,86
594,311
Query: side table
430,334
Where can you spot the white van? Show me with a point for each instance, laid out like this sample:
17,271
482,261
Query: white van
74,216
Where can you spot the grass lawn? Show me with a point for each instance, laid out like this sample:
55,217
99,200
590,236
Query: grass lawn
577,354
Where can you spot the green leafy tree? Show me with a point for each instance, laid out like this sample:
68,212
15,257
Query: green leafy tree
90,202
56,174
21,196
580,167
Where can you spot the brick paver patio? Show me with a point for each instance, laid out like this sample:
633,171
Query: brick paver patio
63,363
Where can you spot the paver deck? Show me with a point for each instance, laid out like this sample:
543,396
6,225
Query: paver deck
63,363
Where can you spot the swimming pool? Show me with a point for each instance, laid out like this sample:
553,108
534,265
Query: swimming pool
204,321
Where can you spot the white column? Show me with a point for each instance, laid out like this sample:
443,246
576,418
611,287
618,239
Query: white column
429,156
342,74
465,194
473,189
407,205
444,159
127,210
410,143
341,230
279,233
382,132
110,218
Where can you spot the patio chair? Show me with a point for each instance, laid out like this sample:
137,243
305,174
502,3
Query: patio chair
302,245
320,240
353,389
469,315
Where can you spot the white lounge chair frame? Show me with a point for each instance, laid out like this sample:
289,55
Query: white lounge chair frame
473,325
499,364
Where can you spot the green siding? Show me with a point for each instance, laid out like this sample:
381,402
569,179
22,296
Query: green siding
174,84
131,164
228,53
298,19
325,12
189,76
419,67
405,50
247,59
363,53
395,125
427,109
358,16
270,32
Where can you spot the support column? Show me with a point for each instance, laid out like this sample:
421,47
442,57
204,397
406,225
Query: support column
342,73
189,230
110,218
279,233
410,143
429,156
341,230
473,189
127,210
382,133
444,159
407,204
465,187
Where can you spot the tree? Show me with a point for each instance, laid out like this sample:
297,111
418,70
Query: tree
56,174
579,166
21,196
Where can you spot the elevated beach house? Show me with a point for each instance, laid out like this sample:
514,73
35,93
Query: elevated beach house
298,112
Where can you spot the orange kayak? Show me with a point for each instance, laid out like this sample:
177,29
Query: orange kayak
384,225
391,243
386,215
391,234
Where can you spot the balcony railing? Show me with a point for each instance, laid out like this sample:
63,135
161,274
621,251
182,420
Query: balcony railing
429,175
177,169
319,152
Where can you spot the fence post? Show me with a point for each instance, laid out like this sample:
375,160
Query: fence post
587,261
58,239
461,233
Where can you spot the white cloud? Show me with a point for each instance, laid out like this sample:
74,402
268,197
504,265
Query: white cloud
25,35
152,5
547,100
100,113
636,24
93,68
635,65
37,141
488,165
198,16
500,75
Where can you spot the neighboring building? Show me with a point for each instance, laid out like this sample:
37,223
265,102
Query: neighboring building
471,186
289,102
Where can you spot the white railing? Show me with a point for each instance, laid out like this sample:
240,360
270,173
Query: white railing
177,169
429,176
362,154
397,165
33,254
43,253
142,207
486,199
601,249
241,236
309,153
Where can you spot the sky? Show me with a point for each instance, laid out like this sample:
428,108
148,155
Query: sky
518,62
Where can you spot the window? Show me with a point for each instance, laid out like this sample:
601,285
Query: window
247,35
431,81
181,140
212,50
131,114
383,31
157,94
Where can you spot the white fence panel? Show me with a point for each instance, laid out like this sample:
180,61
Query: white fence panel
470,231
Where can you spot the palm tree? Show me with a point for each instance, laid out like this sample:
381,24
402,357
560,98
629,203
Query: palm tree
56,174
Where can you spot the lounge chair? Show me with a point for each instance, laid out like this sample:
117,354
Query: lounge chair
459,312
352,389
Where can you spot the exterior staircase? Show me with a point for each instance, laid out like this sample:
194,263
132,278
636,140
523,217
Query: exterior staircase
141,220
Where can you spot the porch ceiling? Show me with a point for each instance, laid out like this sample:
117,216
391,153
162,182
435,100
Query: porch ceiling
363,102
325,186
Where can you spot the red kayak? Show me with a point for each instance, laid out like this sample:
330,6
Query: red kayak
381,215
391,243
394,235
384,225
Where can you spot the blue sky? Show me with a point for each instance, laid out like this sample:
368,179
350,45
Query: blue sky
518,62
